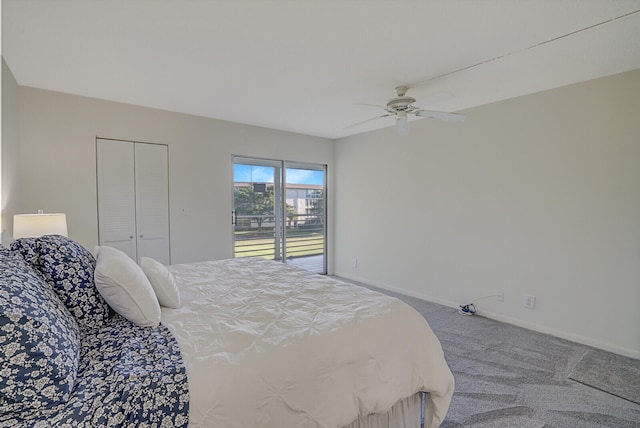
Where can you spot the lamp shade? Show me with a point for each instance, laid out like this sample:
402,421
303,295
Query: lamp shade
36,225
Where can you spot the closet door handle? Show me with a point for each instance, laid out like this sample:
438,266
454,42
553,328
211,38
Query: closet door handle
141,236
131,237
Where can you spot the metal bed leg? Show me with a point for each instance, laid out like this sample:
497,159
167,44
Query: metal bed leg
423,398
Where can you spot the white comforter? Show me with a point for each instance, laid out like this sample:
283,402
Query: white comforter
266,345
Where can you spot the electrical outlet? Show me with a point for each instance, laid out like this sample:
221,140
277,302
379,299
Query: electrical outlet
354,262
500,296
529,302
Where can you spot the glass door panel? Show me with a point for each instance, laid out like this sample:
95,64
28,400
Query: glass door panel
305,228
256,215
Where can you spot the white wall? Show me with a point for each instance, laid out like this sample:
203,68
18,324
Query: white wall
537,195
9,154
58,164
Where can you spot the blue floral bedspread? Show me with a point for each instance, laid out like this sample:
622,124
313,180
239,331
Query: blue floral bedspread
65,362
127,376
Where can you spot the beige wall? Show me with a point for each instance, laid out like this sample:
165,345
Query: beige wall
58,164
537,195
9,154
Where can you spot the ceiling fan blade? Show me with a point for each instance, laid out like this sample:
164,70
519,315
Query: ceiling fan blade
365,121
441,115
372,105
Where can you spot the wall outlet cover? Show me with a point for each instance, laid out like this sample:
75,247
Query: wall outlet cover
529,302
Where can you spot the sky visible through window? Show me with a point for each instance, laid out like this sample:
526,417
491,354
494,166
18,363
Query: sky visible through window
264,174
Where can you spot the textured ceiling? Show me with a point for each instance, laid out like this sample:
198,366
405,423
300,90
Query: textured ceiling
309,66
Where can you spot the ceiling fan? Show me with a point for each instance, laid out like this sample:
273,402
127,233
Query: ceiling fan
402,105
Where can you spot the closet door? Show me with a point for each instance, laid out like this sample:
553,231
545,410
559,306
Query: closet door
133,198
116,195
152,201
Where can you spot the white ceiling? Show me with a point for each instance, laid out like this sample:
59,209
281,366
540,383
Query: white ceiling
308,66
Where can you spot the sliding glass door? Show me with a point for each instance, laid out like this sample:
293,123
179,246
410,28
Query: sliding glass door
279,211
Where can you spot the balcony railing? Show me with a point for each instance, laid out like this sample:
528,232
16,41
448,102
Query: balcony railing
255,235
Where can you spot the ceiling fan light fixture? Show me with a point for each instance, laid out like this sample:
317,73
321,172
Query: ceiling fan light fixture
400,104
402,126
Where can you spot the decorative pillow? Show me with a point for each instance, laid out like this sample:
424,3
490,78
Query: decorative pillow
28,248
163,283
125,287
68,267
39,340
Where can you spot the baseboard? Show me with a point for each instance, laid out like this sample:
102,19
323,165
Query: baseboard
632,353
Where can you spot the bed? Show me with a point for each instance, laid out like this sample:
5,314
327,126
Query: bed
250,343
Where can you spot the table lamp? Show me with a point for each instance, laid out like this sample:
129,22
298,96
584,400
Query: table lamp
36,225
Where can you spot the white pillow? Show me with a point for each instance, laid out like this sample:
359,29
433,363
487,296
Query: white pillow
125,287
162,282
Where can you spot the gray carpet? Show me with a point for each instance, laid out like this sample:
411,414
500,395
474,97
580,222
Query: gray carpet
507,376
614,374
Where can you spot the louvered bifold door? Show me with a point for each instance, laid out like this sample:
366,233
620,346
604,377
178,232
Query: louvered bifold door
116,195
133,198
152,201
